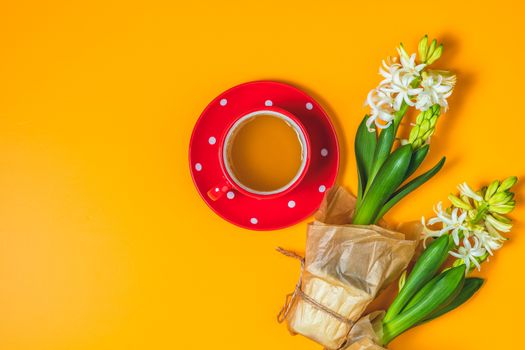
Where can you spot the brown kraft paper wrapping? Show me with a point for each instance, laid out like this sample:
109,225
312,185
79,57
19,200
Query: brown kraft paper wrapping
344,268
366,333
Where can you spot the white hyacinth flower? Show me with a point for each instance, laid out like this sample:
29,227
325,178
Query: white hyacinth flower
452,223
498,225
424,100
447,77
469,253
488,241
428,233
465,190
437,86
409,63
381,112
407,82
388,68
456,225
493,232
402,88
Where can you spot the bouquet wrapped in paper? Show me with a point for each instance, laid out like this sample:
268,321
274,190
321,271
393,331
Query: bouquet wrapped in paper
351,255
345,267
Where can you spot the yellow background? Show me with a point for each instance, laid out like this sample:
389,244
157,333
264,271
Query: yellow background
105,243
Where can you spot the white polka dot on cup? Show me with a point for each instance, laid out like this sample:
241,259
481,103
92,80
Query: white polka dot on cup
309,106
254,221
230,195
324,152
322,188
212,140
268,103
291,204
198,166
223,102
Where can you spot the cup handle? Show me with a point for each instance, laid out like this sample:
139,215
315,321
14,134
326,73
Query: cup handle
218,191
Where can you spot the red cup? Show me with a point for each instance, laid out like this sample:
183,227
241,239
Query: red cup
229,181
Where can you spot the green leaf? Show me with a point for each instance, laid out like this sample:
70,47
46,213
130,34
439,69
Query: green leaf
384,146
365,145
421,294
409,187
424,270
470,287
444,288
389,177
417,158
385,143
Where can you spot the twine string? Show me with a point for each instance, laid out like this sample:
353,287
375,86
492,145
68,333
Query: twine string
290,298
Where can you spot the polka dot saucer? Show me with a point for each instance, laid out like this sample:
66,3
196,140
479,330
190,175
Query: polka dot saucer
275,212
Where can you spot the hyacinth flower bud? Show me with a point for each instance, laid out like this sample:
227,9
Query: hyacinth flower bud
491,189
507,183
459,203
429,54
498,197
425,127
423,48
435,55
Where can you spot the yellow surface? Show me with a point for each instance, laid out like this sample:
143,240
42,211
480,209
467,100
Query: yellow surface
104,242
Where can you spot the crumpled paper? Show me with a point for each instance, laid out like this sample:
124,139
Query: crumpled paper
345,267
366,333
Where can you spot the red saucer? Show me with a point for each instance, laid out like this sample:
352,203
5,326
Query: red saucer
264,214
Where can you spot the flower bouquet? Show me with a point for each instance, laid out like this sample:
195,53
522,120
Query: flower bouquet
352,254
349,259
